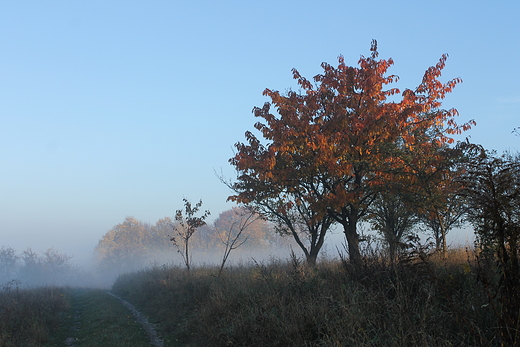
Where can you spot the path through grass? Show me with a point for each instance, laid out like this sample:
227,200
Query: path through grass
98,319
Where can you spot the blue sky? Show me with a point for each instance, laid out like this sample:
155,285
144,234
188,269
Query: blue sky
111,109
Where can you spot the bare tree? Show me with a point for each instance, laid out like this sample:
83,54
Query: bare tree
187,224
232,237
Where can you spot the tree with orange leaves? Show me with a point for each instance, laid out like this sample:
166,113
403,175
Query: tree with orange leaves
338,141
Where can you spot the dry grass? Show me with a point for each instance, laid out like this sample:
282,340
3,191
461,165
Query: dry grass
28,316
432,303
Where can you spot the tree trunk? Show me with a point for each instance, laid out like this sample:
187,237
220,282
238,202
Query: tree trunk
317,242
311,259
350,230
443,232
187,254
392,248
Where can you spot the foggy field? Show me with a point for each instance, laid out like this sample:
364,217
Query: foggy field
420,300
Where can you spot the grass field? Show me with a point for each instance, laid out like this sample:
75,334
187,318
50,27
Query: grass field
52,316
285,303
28,316
98,319
428,302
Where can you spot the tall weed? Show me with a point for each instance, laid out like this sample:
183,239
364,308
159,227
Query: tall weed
286,303
27,316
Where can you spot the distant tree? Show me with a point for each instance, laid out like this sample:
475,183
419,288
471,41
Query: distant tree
133,244
441,220
50,267
392,214
259,231
57,267
205,240
492,187
187,224
125,247
9,263
31,267
160,235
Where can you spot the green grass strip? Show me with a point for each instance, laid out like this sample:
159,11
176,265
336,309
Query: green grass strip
97,319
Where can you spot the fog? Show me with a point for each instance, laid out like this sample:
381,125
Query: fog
28,267
73,264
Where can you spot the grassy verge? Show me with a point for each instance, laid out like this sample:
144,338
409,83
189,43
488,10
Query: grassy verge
58,316
28,316
438,303
98,319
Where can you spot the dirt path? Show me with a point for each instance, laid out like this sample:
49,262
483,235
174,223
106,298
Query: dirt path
148,327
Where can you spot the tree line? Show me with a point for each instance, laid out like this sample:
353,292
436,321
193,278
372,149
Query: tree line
346,148
132,244
31,268
349,148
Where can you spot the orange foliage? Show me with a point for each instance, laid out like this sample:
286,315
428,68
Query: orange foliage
340,137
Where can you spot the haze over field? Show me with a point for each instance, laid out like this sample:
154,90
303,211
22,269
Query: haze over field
116,109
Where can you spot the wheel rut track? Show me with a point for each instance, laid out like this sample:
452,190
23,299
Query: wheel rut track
148,327
139,317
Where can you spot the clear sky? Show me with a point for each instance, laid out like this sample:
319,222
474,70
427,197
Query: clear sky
111,109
